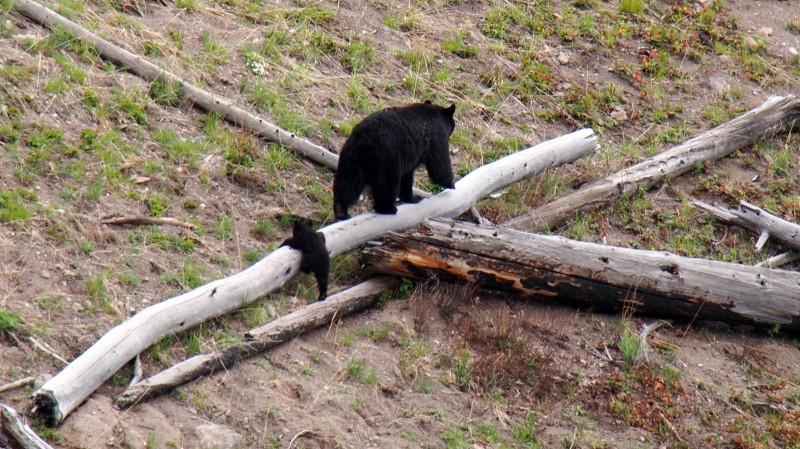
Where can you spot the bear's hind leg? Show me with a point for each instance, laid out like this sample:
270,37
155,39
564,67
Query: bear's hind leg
384,193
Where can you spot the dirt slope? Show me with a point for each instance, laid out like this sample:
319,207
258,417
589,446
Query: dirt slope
439,366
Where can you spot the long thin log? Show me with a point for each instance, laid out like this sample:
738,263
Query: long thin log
776,115
559,269
757,220
205,100
64,392
21,433
261,339
145,220
16,384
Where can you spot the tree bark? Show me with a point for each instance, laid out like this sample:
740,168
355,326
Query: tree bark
555,268
757,220
63,393
776,115
205,100
21,433
259,340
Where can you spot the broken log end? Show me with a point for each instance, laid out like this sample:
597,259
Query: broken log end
46,408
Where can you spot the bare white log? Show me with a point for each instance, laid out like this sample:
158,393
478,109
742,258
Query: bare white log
780,260
776,115
21,433
63,393
205,100
259,340
756,220
554,268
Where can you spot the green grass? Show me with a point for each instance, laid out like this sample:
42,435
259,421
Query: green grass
9,321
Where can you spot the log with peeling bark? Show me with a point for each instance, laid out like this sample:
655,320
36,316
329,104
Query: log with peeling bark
199,97
21,434
776,115
259,340
559,269
64,392
757,220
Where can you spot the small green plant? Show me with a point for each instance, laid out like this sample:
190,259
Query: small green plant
526,433
12,210
632,7
457,45
793,26
9,321
358,56
165,92
223,227
355,370
188,5
630,346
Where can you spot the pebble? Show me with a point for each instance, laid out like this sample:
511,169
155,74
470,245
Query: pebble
563,58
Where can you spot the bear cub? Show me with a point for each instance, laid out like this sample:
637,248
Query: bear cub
385,148
315,255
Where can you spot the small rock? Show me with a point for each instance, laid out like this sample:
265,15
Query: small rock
792,51
619,114
216,436
45,274
765,31
751,42
563,58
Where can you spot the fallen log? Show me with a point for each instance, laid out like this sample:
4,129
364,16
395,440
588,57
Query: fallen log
559,269
64,392
757,220
259,340
21,434
205,100
776,115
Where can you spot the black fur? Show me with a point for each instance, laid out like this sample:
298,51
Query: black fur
315,254
384,150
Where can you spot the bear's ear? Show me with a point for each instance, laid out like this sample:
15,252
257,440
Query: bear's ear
428,102
452,109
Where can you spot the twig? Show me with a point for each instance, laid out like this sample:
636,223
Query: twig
301,434
46,350
137,371
16,384
644,347
672,429
142,219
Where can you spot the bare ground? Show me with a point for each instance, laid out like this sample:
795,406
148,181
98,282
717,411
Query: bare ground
444,367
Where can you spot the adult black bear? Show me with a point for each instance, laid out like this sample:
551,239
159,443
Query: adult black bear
315,255
384,150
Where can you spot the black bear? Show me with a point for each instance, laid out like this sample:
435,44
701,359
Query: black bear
384,150
315,255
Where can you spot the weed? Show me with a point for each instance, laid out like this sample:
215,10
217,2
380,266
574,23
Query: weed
629,346
9,321
409,21
165,92
457,45
223,227
355,370
526,433
12,210
358,56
